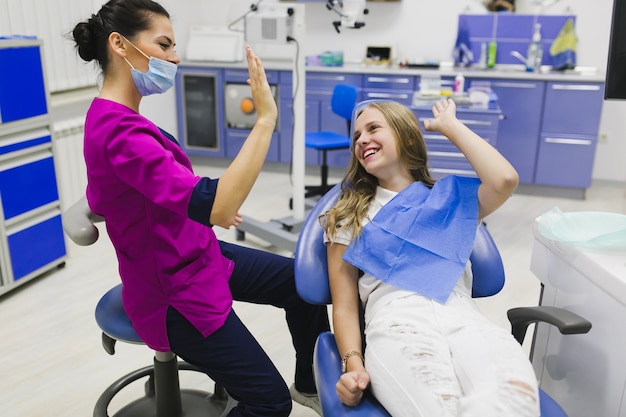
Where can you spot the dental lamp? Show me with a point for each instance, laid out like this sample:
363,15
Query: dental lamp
349,11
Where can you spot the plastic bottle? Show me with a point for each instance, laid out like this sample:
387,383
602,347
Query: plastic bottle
491,54
459,83
535,51
482,63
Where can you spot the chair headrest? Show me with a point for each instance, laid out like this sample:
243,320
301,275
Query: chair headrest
78,223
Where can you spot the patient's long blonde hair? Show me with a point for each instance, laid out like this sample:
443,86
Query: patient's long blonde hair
358,187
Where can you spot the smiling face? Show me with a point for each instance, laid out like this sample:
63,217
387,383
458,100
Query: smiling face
376,149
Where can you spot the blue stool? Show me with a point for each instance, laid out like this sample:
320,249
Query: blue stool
163,395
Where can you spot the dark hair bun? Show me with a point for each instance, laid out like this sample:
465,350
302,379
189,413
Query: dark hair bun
85,41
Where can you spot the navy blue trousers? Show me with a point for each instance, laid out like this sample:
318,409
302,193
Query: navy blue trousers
232,357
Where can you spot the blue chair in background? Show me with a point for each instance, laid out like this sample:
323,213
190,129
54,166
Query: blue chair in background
163,395
342,103
312,284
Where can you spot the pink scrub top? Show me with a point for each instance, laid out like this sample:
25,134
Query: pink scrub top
156,213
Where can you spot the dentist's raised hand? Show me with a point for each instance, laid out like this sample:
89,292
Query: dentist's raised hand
264,102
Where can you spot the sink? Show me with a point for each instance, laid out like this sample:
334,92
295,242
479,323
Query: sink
594,231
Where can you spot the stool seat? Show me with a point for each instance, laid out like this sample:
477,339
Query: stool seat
327,140
112,319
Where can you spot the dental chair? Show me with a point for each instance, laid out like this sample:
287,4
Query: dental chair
163,395
311,275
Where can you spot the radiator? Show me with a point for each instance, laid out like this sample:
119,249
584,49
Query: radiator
69,160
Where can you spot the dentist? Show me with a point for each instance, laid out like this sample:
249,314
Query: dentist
179,281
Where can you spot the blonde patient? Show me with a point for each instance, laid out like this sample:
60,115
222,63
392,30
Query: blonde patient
398,245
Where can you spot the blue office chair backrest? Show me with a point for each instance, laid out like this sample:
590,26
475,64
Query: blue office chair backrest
343,100
311,271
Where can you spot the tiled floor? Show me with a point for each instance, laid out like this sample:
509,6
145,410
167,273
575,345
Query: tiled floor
53,364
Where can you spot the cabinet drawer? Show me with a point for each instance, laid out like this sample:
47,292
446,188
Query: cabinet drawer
36,246
441,165
389,82
236,137
327,81
565,161
475,121
404,97
573,108
24,141
241,76
29,185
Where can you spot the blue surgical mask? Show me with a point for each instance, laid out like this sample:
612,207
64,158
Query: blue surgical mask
158,79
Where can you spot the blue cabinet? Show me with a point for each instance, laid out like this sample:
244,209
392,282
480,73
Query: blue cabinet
521,103
22,89
31,234
569,134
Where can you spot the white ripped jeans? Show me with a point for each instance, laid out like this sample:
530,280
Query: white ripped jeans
433,360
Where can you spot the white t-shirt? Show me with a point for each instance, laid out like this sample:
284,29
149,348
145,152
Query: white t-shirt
374,292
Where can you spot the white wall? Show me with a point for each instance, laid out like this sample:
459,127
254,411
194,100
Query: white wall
421,29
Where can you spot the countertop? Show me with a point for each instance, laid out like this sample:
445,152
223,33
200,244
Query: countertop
509,72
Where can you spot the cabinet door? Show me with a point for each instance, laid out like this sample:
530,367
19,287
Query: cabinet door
573,108
22,88
236,137
27,183
199,96
521,103
565,160
36,245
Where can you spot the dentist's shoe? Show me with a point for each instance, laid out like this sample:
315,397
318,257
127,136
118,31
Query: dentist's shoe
308,400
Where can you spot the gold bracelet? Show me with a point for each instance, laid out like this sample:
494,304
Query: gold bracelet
344,360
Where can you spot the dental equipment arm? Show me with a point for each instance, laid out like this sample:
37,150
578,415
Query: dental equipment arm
349,11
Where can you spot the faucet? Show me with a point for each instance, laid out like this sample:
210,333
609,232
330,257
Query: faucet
519,56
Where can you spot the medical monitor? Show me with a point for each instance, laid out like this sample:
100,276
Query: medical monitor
615,83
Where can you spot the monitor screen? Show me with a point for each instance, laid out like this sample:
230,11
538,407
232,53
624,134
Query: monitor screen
615,87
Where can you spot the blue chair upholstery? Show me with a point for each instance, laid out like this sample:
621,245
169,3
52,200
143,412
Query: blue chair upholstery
163,395
342,103
312,284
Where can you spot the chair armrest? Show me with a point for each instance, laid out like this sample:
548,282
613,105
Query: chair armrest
327,368
566,321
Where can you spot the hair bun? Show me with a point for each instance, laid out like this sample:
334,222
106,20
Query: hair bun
85,40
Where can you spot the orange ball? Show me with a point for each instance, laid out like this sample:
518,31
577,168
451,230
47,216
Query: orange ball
247,105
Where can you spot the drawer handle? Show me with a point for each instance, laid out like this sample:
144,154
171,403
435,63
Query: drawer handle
436,137
463,172
388,80
576,87
561,141
326,77
514,85
469,122
447,154
387,95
